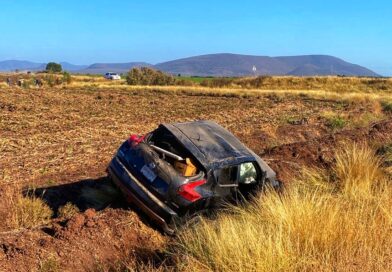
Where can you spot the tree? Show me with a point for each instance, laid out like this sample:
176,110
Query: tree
54,67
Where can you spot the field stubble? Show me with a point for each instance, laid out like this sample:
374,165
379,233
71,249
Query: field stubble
62,138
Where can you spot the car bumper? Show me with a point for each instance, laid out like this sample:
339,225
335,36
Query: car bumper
135,192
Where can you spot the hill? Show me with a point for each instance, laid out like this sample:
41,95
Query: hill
72,67
23,65
12,65
101,68
242,65
229,65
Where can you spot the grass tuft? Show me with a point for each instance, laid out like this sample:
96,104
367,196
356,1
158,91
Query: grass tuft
22,212
30,212
67,211
357,169
50,264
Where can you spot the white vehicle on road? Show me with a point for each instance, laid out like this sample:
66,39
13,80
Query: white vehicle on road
112,76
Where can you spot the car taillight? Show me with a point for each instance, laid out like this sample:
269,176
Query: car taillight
135,139
188,191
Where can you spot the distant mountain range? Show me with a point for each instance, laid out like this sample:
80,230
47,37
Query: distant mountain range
101,68
12,65
230,65
22,65
242,65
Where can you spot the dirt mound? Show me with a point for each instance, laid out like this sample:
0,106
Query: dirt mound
287,160
85,241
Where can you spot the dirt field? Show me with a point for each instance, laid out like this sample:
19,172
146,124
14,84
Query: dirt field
55,143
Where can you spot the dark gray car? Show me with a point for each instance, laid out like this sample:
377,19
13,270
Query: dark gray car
182,169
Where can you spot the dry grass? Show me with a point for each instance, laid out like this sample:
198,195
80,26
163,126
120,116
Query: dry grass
3,85
237,91
329,83
319,224
18,211
67,211
50,264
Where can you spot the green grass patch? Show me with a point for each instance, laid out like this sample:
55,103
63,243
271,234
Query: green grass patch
195,78
334,121
337,122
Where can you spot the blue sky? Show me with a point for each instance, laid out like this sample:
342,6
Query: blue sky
84,32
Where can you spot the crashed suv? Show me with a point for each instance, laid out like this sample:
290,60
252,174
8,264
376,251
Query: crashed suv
182,169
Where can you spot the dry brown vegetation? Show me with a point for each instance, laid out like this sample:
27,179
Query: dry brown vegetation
337,221
55,143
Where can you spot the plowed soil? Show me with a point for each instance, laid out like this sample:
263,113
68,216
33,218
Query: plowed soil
57,143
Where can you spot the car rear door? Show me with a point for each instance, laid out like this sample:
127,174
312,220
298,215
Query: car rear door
236,181
227,183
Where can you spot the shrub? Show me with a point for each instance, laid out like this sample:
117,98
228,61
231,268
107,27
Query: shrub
149,76
51,80
256,82
67,77
26,84
217,82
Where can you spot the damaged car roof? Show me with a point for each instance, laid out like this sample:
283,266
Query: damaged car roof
212,145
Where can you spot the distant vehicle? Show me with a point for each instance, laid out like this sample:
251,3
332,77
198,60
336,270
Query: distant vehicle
181,170
112,76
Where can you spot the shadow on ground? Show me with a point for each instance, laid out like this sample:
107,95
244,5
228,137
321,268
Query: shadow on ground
85,194
96,194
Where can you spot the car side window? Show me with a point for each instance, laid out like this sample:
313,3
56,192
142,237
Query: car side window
228,175
248,173
244,173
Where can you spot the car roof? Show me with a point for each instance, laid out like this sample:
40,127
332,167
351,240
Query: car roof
212,145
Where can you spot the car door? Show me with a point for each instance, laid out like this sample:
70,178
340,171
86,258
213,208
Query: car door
227,183
237,181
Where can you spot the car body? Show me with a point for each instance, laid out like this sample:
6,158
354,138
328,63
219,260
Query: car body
112,76
182,169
